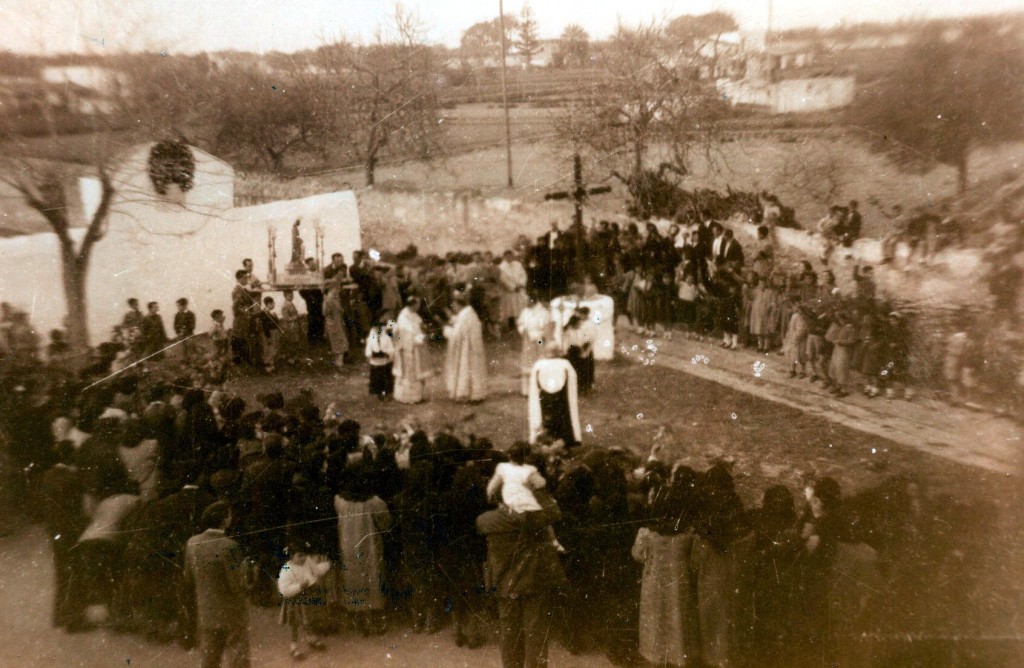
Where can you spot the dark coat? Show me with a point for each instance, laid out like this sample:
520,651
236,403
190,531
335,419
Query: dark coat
731,252
214,568
153,336
520,557
184,323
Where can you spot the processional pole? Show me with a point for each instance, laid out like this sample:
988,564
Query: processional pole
504,92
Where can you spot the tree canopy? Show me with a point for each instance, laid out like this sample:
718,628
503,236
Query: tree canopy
527,42
575,46
949,93
483,39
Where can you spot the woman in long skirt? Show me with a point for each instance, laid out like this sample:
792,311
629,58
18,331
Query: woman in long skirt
669,635
362,519
334,322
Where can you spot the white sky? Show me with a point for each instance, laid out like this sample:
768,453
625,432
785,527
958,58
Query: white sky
289,25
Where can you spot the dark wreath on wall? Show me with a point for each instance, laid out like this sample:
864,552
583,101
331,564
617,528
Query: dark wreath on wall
171,162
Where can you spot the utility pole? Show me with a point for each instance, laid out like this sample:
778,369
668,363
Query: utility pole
504,91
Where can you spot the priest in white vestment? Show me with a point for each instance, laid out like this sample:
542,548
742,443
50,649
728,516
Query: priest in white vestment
536,329
512,277
465,362
553,401
408,339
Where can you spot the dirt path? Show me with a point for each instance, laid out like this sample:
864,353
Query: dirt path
937,428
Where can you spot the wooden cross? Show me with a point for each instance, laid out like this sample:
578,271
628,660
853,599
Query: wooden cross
579,193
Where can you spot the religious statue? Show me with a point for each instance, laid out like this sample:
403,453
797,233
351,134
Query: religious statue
297,263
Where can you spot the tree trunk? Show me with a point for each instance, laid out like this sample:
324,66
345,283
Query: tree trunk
962,164
370,167
276,160
76,323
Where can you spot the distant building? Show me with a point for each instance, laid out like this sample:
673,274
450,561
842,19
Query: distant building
102,80
28,97
548,54
780,76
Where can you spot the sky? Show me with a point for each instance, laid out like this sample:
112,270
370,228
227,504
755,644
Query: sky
98,26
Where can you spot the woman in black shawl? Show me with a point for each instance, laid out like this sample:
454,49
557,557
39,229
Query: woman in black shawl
418,505
767,561
465,551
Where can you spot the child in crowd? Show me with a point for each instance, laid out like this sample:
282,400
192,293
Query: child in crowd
184,327
894,357
380,351
818,349
290,330
763,315
795,346
270,332
219,335
300,586
516,480
636,305
842,334
664,303
686,304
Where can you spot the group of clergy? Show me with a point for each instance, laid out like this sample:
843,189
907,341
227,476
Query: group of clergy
550,381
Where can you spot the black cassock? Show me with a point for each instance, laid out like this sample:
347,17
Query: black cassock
553,401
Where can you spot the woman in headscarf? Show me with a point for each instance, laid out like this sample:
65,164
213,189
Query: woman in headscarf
362,519
334,322
419,519
720,522
408,339
668,601
767,561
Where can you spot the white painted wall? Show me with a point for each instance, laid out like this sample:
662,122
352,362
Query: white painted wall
160,248
160,256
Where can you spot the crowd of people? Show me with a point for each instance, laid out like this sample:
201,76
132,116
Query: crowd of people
174,508
173,505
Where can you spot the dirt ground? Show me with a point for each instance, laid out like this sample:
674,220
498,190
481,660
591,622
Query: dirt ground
953,592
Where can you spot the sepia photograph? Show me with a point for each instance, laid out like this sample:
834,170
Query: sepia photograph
510,333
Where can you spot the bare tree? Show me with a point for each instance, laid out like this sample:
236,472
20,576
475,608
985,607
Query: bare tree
46,187
642,97
43,186
267,116
384,98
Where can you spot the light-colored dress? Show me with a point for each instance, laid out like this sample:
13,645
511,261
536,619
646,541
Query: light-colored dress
361,570
334,323
668,600
408,339
512,277
466,362
513,481
762,311
535,327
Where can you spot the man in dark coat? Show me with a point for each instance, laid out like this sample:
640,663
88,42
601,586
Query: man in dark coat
523,572
266,485
730,252
61,490
213,568
153,598
153,336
